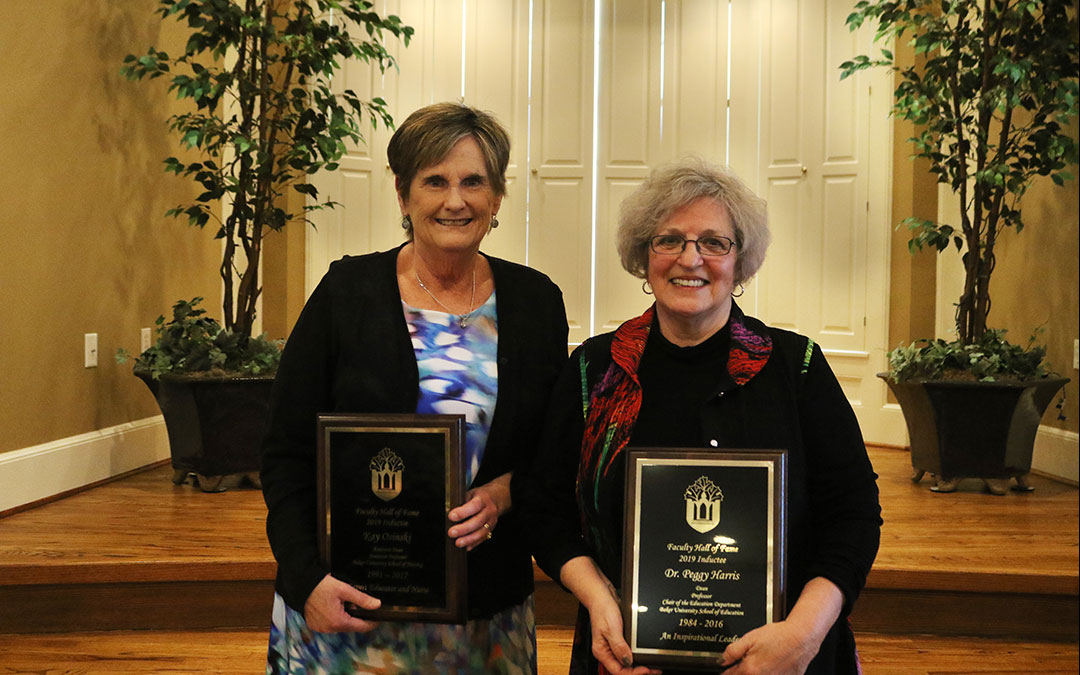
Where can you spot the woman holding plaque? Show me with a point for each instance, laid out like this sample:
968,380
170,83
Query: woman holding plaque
432,326
695,372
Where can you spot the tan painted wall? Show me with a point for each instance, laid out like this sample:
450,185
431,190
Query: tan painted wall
1036,283
283,274
914,193
84,246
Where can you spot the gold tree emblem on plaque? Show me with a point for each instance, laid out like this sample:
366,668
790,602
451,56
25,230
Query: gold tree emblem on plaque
703,499
386,470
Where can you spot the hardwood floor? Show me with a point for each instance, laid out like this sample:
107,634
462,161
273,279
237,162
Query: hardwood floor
158,652
933,655
140,528
235,652
143,553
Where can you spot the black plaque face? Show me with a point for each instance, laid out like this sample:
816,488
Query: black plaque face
386,485
703,554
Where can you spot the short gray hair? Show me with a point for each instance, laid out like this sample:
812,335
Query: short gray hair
673,186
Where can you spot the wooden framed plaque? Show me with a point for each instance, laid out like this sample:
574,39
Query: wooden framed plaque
385,486
703,551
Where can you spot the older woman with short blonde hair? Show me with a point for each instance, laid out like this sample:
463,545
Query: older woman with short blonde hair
694,371
430,327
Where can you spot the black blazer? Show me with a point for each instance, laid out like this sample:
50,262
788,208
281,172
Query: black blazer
350,352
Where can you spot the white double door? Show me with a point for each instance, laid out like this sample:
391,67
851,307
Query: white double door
594,97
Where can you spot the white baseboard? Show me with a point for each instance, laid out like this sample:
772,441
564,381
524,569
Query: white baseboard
883,426
42,471
1056,453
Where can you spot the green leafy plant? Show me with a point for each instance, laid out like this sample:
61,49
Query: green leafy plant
193,343
258,75
993,102
991,358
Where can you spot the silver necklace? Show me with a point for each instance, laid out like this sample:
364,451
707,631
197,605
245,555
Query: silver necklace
463,320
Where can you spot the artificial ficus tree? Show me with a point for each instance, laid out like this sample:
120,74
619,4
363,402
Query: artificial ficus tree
264,115
994,101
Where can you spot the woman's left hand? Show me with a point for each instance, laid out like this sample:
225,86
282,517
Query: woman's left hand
775,648
788,646
476,518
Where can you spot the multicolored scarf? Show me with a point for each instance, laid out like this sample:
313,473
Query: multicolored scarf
611,406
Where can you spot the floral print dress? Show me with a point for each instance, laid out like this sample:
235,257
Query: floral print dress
458,375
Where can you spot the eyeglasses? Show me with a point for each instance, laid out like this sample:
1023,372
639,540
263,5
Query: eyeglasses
674,244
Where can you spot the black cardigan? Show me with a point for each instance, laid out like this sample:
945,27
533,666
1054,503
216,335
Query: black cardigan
833,512
350,351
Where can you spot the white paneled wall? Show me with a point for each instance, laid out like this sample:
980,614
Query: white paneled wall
560,153
663,93
826,274
595,93
628,142
497,79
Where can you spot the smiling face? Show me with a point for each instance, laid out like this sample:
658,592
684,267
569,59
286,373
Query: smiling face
451,203
693,292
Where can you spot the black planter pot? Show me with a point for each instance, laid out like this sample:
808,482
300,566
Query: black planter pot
973,429
215,426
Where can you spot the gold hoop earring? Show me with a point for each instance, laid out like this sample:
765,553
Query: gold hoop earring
742,289
646,288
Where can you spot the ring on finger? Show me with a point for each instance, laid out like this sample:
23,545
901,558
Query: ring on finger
489,535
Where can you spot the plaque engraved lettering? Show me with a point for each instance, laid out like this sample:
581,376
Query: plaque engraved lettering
703,551
386,484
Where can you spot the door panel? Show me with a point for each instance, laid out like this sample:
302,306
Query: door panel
815,162
697,103
560,142
629,110
497,80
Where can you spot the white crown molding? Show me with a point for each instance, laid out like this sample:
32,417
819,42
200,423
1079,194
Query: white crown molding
41,471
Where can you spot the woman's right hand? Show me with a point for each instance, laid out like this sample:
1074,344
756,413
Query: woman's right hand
585,580
325,612
608,645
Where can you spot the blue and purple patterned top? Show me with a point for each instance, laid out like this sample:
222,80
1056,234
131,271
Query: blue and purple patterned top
459,372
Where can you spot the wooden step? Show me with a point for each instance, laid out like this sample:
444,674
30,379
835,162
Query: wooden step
143,553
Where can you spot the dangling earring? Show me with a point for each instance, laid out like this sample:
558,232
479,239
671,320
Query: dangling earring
646,287
494,222
742,289
406,222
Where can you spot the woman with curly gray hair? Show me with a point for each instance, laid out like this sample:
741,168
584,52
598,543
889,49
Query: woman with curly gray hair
674,186
693,371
